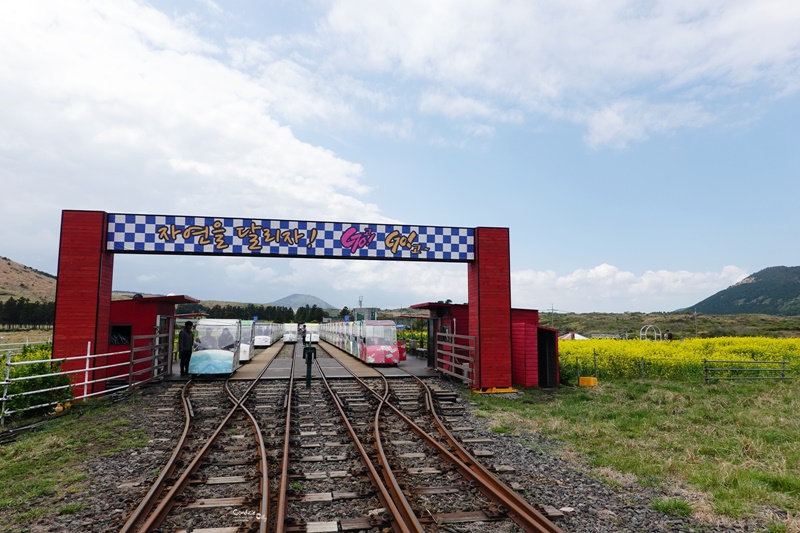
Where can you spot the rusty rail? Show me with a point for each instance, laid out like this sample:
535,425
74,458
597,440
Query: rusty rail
391,496
151,512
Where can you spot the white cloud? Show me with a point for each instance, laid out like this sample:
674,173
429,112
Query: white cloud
625,70
247,273
590,61
116,107
461,107
622,122
607,288
397,283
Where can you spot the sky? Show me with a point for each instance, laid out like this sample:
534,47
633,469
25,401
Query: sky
644,155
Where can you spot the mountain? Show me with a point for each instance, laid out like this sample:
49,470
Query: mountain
296,301
772,291
19,281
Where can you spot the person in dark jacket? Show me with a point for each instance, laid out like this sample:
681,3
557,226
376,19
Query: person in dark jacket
185,345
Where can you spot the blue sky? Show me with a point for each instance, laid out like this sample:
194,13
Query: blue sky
643,154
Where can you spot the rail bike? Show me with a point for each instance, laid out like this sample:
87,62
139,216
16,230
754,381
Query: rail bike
216,349
290,333
266,334
371,341
247,345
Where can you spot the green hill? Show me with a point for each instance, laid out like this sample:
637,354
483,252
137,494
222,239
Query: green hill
772,291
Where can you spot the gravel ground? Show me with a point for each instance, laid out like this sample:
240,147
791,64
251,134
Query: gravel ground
548,476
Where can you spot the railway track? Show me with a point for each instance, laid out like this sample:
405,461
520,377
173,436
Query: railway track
341,455
211,467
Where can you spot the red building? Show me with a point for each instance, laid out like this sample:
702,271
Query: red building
135,324
531,360
534,351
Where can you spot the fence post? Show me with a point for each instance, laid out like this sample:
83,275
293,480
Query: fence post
86,371
5,389
155,354
783,367
577,368
644,372
130,363
595,364
705,370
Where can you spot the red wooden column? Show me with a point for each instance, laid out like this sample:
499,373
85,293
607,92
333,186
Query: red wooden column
490,307
83,289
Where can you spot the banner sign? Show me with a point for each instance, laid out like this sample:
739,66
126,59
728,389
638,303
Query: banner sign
168,234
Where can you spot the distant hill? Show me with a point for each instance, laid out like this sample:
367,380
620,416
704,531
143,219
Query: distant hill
19,281
296,301
772,291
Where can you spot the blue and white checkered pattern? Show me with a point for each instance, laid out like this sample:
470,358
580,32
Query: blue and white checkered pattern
286,238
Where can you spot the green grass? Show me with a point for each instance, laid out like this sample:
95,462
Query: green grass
47,462
682,325
672,507
737,443
71,508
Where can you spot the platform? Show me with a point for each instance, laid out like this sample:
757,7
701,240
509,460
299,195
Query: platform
334,367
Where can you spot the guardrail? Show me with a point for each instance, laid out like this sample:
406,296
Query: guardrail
455,356
153,358
744,370
16,347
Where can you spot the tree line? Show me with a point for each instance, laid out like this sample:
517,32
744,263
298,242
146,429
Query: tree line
265,313
15,313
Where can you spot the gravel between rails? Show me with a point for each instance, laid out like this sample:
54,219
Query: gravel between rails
549,476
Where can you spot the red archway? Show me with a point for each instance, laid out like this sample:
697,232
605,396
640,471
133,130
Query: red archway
90,239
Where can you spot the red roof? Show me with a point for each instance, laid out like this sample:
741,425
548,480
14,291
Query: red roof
171,299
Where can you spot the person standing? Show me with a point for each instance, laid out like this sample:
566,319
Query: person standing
185,344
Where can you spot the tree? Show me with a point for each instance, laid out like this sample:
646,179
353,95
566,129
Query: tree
302,314
186,309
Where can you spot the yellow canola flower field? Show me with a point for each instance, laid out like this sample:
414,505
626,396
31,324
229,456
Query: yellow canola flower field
676,359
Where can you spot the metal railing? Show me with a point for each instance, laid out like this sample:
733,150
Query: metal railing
17,347
152,357
734,370
455,356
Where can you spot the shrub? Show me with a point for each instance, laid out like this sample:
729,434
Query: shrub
35,353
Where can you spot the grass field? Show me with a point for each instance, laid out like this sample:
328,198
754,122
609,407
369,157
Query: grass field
47,464
32,335
735,445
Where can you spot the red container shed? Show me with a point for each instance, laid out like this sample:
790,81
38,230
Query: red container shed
534,351
134,324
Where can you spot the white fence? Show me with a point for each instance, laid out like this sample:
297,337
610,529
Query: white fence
147,358
455,356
